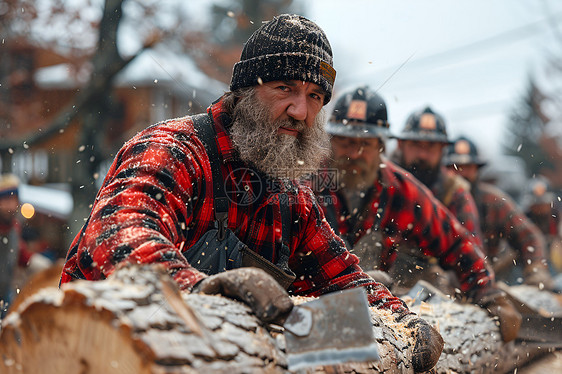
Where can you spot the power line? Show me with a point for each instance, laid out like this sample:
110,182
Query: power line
510,36
478,110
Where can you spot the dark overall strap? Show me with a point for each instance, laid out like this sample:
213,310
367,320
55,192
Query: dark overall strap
285,252
331,215
204,127
354,222
357,219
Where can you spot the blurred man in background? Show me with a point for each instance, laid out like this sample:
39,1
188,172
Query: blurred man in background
540,205
420,150
16,261
501,219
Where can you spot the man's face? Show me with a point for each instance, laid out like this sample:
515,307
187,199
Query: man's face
422,152
301,101
357,159
422,158
468,171
279,127
8,207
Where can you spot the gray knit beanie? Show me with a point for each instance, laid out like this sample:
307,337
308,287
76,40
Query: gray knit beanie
286,48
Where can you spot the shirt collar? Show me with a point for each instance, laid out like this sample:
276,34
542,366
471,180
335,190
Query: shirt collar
222,121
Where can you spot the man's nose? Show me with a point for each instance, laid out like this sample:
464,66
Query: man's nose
423,154
297,108
355,151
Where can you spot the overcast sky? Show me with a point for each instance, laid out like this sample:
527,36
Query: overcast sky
469,60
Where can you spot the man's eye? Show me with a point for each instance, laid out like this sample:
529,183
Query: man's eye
283,88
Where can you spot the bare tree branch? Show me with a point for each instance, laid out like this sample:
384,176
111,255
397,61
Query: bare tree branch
107,64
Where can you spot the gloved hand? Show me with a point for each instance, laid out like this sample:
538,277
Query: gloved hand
509,318
429,343
381,277
268,300
536,274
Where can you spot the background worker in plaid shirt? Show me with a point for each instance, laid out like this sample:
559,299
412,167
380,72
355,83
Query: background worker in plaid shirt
421,145
160,203
543,208
380,208
501,219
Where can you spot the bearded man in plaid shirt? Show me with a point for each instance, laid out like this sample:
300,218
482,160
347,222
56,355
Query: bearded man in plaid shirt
501,220
421,146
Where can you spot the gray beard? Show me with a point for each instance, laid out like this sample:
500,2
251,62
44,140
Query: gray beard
356,180
283,156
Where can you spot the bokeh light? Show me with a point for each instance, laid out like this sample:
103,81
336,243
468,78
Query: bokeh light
27,210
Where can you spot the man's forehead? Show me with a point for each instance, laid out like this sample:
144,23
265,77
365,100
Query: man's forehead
294,83
353,139
424,143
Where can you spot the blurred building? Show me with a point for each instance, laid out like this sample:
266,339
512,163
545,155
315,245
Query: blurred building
38,84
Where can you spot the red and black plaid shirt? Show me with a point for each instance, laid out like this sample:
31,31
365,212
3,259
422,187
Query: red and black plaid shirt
403,209
461,203
501,218
548,223
157,201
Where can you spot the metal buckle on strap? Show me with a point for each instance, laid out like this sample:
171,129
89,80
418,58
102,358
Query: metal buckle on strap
222,224
221,216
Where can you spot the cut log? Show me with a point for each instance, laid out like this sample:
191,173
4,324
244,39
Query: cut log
47,278
137,321
545,302
472,340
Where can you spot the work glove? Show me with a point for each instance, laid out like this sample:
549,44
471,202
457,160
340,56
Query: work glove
428,342
509,318
536,274
268,300
381,277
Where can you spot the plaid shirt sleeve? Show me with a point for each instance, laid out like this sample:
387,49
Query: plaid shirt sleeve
503,218
323,264
151,186
463,207
412,213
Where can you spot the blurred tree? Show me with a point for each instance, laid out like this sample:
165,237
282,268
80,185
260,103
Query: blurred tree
525,129
218,47
535,123
92,105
